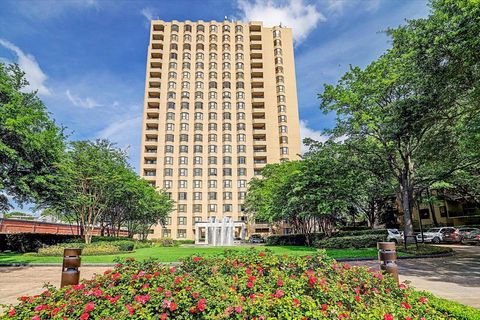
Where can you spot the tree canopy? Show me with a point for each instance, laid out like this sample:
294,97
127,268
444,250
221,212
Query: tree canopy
31,144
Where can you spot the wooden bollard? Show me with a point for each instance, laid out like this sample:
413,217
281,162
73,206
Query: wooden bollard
71,263
387,255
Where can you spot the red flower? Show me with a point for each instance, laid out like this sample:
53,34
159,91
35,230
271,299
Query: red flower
388,317
12,312
408,318
250,284
201,305
279,294
358,299
279,282
406,305
84,316
324,307
196,259
142,299
262,254
423,300
130,309
89,307
40,307
312,280
195,295
173,306
114,299
116,276
36,318
164,316
238,309
296,302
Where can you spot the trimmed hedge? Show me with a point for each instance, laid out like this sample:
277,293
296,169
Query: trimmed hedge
96,248
29,242
364,241
300,239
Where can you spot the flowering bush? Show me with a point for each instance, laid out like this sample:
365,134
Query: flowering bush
235,285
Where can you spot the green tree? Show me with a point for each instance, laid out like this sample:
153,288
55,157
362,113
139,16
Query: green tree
31,144
412,107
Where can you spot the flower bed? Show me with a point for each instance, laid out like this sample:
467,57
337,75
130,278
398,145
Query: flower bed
235,285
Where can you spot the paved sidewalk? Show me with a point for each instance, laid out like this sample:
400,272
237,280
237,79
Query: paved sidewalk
456,278
29,280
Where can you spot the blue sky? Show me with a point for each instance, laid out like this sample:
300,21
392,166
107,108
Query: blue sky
87,58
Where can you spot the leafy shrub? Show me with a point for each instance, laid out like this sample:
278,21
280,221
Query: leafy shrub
95,248
364,241
423,249
362,232
109,239
291,239
186,241
164,242
235,285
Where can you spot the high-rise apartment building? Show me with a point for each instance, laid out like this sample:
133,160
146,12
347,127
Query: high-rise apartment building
220,103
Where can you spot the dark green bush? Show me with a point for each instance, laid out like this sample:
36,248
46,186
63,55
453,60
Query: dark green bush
109,239
164,242
361,232
364,241
185,241
29,242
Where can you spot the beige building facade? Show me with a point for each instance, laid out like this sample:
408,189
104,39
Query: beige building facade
220,103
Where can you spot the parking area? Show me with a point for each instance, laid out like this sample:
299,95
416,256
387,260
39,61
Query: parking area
456,278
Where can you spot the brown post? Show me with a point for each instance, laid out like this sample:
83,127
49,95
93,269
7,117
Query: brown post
387,255
71,262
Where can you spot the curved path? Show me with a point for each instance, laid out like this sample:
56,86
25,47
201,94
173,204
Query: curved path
456,278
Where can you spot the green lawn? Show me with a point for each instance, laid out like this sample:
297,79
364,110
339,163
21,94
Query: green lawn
171,254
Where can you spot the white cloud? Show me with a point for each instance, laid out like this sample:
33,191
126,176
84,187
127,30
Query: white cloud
82,102
126,133
306,132
295,14
34,74
147,13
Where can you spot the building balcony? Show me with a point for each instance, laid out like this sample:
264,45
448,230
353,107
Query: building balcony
153,105
155,75
153,93
155,65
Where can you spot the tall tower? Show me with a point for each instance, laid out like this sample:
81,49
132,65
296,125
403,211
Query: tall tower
220,103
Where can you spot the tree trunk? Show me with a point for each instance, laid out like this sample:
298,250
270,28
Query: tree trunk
432,208
406,205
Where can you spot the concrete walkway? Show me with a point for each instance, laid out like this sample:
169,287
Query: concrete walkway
456,278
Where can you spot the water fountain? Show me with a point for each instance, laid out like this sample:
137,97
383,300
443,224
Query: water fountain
219,233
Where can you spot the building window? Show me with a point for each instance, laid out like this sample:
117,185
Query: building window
168,160
182,208
166,233
197,184
196,209
197,172
242,195
197,160
242,160
212,183
197,219
168,172
242,183
227,208
212,208
183,172
283,129
182,184
167,184
197,196
182,196
212,196
227,183
227,196
181,233
284,150
241,172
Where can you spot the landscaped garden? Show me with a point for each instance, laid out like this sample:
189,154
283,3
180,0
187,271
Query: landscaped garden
249,284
